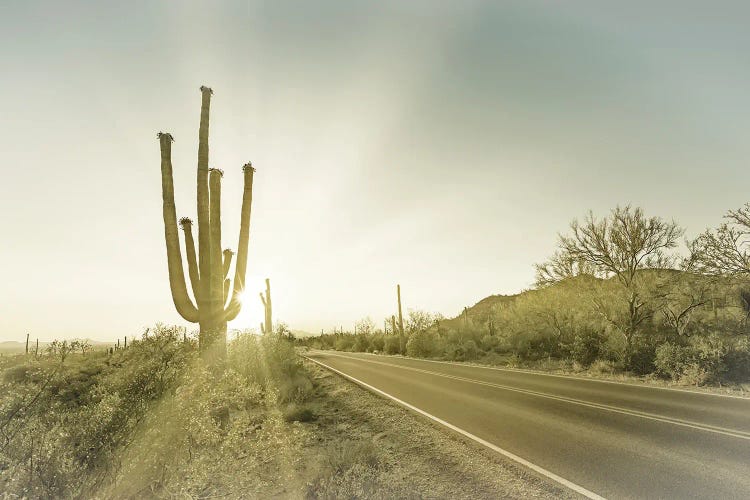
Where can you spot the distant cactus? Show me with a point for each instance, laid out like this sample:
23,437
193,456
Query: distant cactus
400,321
208,269
266,300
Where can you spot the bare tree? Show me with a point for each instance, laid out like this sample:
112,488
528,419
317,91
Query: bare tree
560,266
620,247
724,251
680,296
61,349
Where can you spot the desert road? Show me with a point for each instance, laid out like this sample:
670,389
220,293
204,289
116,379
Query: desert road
601,439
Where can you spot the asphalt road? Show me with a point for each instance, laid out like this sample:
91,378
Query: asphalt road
615,440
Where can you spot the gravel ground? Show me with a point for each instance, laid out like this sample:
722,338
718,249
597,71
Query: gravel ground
373,448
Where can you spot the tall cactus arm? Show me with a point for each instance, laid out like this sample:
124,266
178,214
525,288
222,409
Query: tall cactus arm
180,296
227,261
226,291
217,275
187,227
241,265
204,236
263,299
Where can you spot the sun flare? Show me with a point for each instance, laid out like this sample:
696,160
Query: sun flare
252,313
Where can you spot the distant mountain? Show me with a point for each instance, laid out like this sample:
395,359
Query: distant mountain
300,334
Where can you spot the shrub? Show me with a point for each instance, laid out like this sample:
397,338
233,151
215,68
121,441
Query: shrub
703,360
640,358
422,344
490,343
361,343
344,343
392,344
586,346
670,360
737,362
297,413
378,342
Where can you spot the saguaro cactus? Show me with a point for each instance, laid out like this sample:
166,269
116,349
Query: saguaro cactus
400,321
209,268
268,324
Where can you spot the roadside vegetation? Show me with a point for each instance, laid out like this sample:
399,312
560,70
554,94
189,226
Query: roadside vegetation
615,298
152,420
156,421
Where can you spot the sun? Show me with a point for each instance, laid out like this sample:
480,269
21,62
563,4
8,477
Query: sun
251,313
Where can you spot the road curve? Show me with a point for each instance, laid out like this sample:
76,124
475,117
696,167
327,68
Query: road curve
615,440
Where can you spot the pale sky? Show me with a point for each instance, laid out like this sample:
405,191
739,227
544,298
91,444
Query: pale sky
440,145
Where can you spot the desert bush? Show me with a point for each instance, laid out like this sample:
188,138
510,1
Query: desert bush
361,343
464,350
298,413
378,342
392,344
270,362
587,346
701,360
423,344
344,343
490,343
737,361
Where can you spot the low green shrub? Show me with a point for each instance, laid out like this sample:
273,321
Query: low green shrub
392,344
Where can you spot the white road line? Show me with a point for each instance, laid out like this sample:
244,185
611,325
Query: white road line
600,406
556,375
551,475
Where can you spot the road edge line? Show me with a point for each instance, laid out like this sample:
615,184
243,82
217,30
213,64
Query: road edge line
512,456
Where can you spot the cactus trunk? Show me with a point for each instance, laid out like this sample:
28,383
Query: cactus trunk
204,224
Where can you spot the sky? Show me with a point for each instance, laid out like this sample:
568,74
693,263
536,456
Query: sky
439,145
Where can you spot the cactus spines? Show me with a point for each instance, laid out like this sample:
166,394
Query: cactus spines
208,268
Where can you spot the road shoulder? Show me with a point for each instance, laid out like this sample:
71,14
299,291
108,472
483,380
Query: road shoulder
407,456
